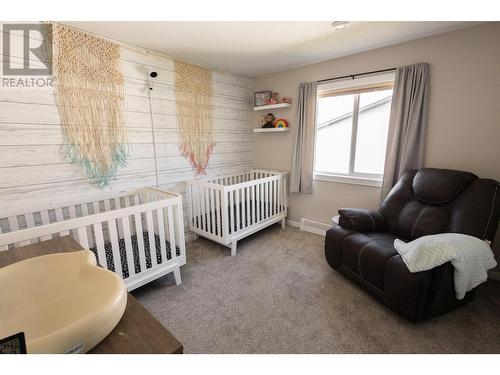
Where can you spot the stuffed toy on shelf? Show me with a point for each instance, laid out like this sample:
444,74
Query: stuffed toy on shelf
268,121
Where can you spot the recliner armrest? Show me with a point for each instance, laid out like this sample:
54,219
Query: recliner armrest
362,220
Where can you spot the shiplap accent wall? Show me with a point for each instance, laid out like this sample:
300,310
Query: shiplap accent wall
34,170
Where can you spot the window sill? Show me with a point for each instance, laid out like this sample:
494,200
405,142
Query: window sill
353,180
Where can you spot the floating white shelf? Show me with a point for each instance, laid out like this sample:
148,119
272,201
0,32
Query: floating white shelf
270,130
272,106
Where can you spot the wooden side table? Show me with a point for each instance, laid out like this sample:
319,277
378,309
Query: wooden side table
138,332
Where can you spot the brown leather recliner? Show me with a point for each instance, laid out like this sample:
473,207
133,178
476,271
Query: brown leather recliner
423,202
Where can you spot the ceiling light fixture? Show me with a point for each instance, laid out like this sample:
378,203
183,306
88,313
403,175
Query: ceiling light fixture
340,25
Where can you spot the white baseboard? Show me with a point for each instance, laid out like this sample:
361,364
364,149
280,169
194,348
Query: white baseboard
292,223
313,226
189,236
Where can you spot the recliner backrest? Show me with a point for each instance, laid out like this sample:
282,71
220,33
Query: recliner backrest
431,201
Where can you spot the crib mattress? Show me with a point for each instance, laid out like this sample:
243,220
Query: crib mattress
135,252
233,226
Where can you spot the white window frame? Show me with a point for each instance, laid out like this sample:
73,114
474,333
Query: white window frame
337,88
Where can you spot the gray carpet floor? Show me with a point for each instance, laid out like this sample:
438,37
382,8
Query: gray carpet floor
278,295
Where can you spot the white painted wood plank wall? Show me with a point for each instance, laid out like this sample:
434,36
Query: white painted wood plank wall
33,170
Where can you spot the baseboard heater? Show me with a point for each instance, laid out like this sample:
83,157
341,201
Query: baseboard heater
314,226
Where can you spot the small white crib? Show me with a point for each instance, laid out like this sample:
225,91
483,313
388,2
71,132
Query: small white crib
226,209
138,235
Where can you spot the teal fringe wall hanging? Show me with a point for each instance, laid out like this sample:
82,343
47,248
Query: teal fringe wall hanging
90,95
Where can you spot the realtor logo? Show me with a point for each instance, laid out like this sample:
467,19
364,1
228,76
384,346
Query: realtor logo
26,50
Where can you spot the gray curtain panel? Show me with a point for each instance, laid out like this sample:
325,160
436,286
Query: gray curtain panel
407,123
305,132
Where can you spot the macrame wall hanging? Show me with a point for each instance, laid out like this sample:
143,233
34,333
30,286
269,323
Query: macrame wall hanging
193,94
90,98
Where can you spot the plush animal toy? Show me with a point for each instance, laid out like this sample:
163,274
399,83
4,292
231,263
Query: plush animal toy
269,121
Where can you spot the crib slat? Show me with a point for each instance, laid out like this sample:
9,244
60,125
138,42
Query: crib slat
285,196
118,205
128,245
261,203
72,212
264,200
201,220
253,203
247,205
218,213
194,205
107,205
14,226
151,236
274,197
99,239
85,209
85,212
115,248
201,206
207,210
270,199
45,220
180,241
231,210
278,192
161,233
257,201
279,195
140,241
45,217
189,197
6,247
72,215
212,211
237,203
126,201
30,220
171,232
82,237
30,223
60,217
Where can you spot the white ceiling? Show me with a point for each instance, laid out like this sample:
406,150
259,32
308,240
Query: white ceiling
257,48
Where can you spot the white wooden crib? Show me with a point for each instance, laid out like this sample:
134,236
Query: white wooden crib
228,208
138,235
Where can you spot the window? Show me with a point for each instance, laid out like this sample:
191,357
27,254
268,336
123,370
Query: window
351,134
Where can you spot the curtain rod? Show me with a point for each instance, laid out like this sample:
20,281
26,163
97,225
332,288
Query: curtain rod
356,75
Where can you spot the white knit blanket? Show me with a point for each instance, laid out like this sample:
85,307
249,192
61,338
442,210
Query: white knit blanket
470,256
